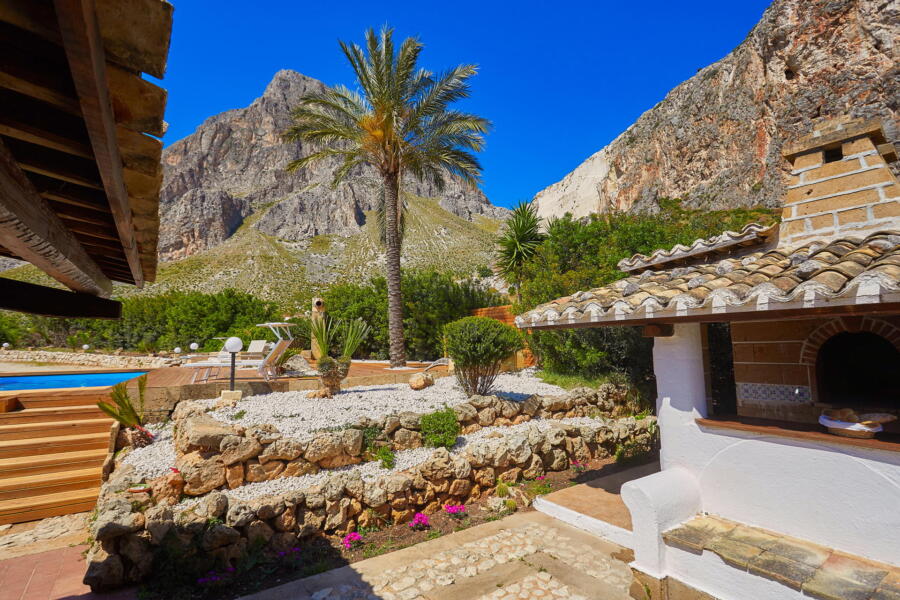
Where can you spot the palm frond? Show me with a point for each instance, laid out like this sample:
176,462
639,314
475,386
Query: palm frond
519,240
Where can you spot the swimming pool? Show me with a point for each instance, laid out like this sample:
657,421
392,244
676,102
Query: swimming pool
65,380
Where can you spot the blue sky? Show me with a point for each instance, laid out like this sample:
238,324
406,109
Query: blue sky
559,80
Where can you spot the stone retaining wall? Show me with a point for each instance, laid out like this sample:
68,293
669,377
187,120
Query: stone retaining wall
214,455
131,529
88,359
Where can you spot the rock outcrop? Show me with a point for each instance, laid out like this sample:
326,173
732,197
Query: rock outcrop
233,166
715,140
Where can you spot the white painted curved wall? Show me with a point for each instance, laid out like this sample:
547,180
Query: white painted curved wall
840,496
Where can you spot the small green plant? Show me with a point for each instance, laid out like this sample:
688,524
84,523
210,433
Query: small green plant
213,521
434,534
502,490
239,415
386,457
123,409
511,505
537,487
372,550
631,452
478,345
440,428
370,434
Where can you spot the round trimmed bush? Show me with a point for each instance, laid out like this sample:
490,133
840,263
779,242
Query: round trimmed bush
477,346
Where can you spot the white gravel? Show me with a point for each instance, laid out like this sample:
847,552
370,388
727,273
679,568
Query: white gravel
297,416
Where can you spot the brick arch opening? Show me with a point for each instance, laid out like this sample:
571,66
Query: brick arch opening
853,363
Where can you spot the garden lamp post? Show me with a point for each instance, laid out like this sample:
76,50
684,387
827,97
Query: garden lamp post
194,346
86,347
233,345
6,345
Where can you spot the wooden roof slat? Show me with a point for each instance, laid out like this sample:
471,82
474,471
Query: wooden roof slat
78,24
42,137
103,232
137,103
30,229
134,33
140,152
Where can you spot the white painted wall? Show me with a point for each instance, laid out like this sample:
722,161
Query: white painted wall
836,495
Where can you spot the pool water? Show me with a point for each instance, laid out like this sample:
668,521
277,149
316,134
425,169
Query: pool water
71,380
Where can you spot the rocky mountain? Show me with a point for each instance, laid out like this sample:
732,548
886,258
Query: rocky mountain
233,167
715,140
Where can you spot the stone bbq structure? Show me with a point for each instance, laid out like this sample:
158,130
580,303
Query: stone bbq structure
813,309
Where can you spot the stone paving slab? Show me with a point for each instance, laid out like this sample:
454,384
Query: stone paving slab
479,562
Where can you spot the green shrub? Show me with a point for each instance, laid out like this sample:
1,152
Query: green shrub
440,428
386,457
477,346
502,490
511,505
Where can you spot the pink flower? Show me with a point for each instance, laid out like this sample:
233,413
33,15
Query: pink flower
351,539
455,510
540,478
174,470
420,521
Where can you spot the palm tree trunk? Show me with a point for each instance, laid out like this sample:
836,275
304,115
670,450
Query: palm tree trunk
395,294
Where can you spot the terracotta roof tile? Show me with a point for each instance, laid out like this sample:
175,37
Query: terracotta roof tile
840,271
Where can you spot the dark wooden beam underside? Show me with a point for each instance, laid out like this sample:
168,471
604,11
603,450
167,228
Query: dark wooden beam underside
30,229
81,39
51,302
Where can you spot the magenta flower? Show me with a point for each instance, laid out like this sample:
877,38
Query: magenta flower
540,478
351,540
455,510
420,521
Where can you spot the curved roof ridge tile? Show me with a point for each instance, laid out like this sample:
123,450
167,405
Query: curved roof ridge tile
750,232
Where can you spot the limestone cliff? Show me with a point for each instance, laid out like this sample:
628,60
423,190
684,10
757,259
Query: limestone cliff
715,140
233,165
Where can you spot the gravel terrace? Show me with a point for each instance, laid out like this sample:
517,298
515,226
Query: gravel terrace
300,417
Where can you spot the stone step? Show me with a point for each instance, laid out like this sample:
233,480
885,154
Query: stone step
23,431
52,445
52,414
20,510
51,463
49,483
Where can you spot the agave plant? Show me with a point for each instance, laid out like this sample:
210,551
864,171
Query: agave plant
129,416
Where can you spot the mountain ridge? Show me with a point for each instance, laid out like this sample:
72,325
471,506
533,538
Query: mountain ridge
715,139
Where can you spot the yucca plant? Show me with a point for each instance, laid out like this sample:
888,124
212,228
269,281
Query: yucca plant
129,416
519,241
333,370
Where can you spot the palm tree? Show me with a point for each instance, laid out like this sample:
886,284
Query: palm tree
400,123
519,241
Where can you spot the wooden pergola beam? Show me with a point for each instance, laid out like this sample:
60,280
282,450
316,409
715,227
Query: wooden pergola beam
30,229
80,34
51,302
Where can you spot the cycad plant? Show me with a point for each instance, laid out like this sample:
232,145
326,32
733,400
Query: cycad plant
333,369
519,241
400,123
131,417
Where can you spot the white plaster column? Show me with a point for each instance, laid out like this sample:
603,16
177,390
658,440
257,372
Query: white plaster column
661,501
681,393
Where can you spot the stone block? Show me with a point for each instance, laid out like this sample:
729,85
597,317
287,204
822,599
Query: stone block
886,210
837,185
811,159
779,568
735,553
833,168
856,199
863,144
854,215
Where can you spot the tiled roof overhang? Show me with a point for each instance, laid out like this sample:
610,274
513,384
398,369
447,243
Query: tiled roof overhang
850,274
